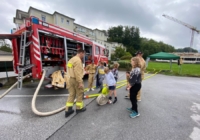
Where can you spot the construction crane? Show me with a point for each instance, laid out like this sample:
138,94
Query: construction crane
194,29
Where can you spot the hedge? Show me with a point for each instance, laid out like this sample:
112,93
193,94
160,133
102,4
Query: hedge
126,57
125,65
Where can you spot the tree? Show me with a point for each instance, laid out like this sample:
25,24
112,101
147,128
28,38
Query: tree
119,52
5,48
115,34
150,46
129,36
186,49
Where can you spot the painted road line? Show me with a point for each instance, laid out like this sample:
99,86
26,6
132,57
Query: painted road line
97,94
66,95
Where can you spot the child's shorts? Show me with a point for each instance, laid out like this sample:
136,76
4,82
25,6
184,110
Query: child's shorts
111,87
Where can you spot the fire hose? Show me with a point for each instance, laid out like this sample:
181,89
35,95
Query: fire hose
7,91
34,109
102,98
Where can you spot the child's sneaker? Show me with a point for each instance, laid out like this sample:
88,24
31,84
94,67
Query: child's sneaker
115,100
129,110
134,114
109,102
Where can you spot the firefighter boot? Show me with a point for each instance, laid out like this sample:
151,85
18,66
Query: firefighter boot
80,110
69,112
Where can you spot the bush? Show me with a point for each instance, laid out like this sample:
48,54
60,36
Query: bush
125,65
110,62
126,57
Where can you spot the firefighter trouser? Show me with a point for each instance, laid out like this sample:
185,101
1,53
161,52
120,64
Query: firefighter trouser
75,92
139,92
90,80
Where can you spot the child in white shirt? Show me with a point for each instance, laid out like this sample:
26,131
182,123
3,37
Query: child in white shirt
111,83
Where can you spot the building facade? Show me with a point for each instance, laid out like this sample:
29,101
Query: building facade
66,22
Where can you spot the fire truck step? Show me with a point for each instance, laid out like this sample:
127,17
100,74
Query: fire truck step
27,66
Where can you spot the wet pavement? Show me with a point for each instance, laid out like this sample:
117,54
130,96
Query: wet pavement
170,110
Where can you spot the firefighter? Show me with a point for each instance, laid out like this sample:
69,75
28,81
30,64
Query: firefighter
91,68
76,87
139,54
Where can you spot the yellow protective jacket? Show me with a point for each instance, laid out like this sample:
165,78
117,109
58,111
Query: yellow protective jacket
58,80
91,68
143,66
75,69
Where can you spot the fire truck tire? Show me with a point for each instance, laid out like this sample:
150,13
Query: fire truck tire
34,100
7,91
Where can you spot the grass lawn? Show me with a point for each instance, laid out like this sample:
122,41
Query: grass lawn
187,69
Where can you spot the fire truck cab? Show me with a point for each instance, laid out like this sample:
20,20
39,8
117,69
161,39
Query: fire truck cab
38,45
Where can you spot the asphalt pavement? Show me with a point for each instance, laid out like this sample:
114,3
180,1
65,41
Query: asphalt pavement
170,110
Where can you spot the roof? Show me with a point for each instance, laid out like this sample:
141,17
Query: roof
48,13
99,30
9,36
83,26
164,55
63,15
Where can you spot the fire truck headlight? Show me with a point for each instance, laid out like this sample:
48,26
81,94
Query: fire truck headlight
35,20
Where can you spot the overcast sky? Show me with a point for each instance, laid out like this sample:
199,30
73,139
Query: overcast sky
102,14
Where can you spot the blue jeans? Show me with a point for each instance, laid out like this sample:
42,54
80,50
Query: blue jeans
97,81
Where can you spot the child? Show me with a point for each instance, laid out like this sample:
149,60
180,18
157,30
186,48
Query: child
115,71
111,83
97,76
134,85
127,87
101,74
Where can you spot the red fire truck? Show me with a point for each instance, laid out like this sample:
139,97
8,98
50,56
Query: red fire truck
38,45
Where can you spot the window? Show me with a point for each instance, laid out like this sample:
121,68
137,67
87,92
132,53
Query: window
97,51
83,30
43,18
62,19
68,22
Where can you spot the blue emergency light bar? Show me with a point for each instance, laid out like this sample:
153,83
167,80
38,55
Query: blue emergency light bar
35,20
